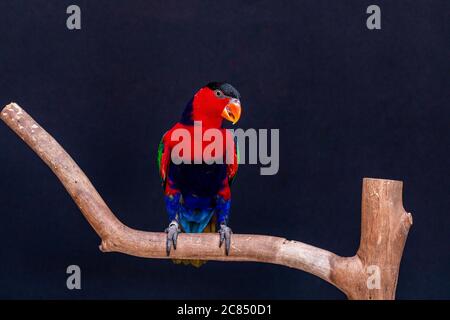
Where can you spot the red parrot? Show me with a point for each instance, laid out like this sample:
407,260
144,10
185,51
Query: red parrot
197,192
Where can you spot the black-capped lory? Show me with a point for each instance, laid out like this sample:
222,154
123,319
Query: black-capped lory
196,179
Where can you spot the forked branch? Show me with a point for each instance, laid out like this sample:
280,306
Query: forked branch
384,229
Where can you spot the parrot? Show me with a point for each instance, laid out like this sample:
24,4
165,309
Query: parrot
197,194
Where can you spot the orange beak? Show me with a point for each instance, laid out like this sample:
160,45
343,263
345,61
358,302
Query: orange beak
232,111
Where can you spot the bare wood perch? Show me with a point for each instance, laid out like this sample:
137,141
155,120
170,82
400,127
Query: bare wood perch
384,228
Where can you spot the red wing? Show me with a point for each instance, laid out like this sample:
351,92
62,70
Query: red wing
163,160
232,168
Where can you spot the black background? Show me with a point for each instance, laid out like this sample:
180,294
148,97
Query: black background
349,103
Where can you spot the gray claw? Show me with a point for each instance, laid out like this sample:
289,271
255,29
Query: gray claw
172,236
225,236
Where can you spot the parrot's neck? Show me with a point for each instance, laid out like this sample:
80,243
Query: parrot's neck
198,112
209,122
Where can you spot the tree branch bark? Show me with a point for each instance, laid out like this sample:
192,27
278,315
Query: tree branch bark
371,274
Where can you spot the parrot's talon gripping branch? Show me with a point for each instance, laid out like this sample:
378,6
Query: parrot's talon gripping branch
225,236
172,236
384,226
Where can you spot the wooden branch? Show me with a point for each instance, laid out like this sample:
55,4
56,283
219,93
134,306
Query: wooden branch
371,274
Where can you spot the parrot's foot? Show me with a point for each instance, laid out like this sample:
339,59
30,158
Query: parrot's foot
172,235
225,236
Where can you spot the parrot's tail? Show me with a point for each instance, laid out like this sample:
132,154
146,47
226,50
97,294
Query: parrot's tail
210,228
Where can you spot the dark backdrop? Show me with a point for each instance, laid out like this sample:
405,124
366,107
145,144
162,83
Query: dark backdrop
349,103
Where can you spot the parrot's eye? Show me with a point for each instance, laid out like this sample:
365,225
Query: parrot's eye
219,94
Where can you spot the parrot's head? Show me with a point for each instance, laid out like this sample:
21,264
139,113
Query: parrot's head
213,103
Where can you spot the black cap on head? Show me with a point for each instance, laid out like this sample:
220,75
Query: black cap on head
226,88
